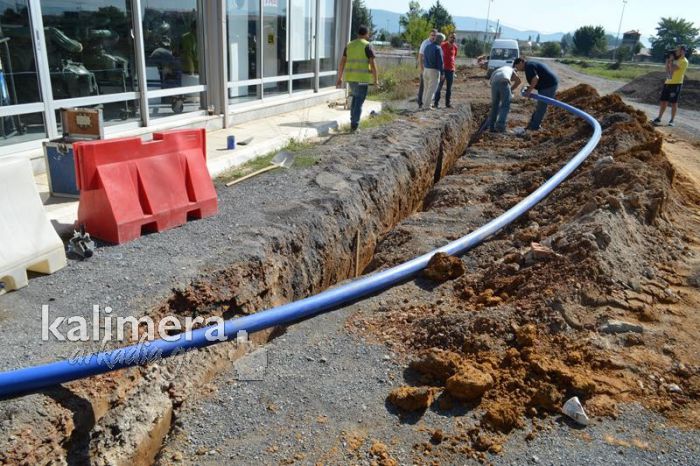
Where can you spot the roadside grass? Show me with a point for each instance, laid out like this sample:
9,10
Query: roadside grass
303,159
625,72
395,83
382,118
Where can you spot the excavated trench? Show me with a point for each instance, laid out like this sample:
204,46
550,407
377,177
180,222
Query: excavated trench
359,188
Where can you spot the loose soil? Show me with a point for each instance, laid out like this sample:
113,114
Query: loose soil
594,293
453,367
647,89
533,321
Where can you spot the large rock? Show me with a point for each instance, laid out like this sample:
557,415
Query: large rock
412,398
443,267
469,383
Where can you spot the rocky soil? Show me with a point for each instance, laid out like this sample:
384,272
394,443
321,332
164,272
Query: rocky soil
276,238
593,293
647,89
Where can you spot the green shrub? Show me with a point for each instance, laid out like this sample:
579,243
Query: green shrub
395,83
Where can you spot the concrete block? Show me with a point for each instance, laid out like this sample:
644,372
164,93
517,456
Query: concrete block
27,239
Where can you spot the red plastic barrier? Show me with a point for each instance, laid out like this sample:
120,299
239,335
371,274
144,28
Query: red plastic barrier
128,186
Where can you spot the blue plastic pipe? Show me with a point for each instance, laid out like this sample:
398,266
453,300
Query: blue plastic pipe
26,380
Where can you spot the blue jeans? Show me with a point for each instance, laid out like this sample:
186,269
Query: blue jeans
449,79
500,105
538,114
420,91
359,94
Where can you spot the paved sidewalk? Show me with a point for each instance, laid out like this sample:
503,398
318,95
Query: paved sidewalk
268,134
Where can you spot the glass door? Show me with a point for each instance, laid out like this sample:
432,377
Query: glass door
21,106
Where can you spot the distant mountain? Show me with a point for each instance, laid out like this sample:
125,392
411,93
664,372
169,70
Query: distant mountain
389,20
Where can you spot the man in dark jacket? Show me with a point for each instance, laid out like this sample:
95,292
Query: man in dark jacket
541,78
433,71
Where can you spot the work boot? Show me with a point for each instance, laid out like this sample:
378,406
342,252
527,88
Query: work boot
448,105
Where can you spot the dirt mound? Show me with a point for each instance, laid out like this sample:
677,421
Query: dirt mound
647,89
532,321
443,267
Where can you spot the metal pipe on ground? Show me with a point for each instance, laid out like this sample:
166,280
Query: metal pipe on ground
30,379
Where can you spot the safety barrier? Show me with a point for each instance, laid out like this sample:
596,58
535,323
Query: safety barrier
27,239
128,186
34,378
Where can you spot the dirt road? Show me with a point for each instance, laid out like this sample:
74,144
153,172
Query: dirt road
687,123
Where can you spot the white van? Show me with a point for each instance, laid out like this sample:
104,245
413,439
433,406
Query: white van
503,52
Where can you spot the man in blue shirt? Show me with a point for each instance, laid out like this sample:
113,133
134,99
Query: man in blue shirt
541,78
423,45
433,71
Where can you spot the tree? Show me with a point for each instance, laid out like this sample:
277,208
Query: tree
671,33
360,16
551,49
414,11
472,47
589,40
439,16
612,40
396,41
449,29
567,42
537,41
624,53
417,30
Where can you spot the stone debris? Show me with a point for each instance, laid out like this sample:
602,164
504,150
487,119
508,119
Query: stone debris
573,409
443,267
620,326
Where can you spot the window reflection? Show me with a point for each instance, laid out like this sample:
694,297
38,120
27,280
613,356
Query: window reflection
89,47
243,32
20,84
303,41
327,29
172,53
274,36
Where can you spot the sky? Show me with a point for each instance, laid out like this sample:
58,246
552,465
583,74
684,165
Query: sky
548,16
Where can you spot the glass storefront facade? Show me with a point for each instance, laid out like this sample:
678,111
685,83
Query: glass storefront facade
145,61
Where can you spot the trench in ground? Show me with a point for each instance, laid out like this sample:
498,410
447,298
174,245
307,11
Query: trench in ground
150,396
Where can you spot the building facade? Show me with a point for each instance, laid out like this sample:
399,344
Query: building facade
155,64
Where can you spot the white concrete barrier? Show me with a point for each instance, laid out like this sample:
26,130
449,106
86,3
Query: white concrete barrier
27,239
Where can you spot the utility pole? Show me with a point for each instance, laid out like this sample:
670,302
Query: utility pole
486,32
619,27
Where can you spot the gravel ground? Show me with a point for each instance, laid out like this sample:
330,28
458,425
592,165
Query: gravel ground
257,251
321,399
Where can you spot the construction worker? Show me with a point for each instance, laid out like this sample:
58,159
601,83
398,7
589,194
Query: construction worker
504,81
672,86
358,64
542,79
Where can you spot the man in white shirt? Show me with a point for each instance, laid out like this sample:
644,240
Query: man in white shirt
504,81
424,44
